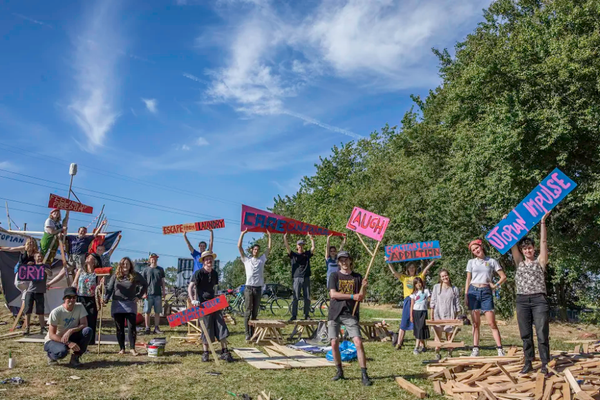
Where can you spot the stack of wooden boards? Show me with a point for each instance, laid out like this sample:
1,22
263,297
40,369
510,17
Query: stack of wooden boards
497,378
280,357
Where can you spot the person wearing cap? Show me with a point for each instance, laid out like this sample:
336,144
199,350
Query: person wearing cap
345,289
479,296
204,281
201,246
155,277
300,261
255,270
68,330
331,256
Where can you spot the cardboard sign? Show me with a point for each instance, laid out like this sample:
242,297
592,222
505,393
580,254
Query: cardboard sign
530,211
191,314
34,273
193,227
65,204
368,224
413,251
256,220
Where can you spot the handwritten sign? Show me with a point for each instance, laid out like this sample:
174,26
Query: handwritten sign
367,223
34,273
65,204
530,211
204,309
413,251
193,227
256,220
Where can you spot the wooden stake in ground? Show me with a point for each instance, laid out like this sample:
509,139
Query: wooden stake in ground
18,316
210,345
373,254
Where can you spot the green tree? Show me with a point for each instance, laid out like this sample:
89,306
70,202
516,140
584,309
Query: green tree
171,276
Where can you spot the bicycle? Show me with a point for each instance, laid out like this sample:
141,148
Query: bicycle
275,304
322,304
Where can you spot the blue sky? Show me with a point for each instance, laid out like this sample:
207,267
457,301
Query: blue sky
180,111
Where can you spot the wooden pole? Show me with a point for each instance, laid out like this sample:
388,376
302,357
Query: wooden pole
8,215
367,274
18,316
364,244
100,319
210,345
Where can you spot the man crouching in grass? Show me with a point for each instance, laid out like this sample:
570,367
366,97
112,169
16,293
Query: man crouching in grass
68,330
345,290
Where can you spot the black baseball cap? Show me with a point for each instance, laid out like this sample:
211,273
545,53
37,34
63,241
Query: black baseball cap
342,254
70,291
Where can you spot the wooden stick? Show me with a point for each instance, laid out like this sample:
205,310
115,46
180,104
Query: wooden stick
100,319
64,257
18,316
210,345
364,244
366,275
406,385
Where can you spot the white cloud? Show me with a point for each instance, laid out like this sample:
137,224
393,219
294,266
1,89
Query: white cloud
185,147
95,61
201,141
151,105
7,165
192,77
35,21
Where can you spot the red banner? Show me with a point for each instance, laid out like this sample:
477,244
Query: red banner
256,220
193,227
204,309
65,204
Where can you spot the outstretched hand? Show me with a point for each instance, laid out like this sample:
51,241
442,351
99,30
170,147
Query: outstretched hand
545,216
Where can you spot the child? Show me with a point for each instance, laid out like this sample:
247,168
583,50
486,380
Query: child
105,255
445,304
418,314
35,294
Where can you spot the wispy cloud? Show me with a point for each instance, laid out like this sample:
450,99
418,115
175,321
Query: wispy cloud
313,121
201,141
93,105
193,77
133,112
7,165
151,105
35,21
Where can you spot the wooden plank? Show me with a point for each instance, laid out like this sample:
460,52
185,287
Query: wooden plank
583,396
414,389
445,345
511,351
437,387
586,347
547,391
210,345
540,380
486,390
513,380
256,358
572,381
577,349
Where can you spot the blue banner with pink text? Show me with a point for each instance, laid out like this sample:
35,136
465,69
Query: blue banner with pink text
551,191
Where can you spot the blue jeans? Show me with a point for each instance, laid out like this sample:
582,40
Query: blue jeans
153,301
480,299
59,350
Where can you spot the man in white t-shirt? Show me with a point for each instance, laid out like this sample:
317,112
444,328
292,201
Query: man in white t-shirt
68,330
255,271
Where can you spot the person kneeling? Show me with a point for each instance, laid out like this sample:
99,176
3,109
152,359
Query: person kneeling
345,290
68,330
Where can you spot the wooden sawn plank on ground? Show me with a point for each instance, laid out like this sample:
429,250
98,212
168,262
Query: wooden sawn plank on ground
256,358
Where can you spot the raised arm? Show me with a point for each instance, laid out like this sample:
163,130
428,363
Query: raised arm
396,273
516,254
327,247
343,243
268,251
18,249
189,245
114,246
210,242
312,243
286,244
426,270
241,245
58,277
97,231
543,257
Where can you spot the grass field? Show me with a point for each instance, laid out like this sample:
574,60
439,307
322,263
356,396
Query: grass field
181,375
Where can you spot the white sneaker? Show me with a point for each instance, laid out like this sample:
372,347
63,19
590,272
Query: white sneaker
475,352
501,353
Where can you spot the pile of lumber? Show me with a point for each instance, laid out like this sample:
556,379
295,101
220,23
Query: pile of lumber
497,378
280,357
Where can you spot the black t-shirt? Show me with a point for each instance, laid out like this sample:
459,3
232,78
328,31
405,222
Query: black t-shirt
205,284
26,258
300,264
346,284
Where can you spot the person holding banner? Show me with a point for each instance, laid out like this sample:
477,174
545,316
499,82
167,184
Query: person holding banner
35,294
532,304
125,288
196,255
408,284
331,253
205,280
300,274
479,296
255,269
52,228
27,251
345,291
79,246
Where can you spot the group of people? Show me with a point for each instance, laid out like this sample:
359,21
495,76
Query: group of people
444,299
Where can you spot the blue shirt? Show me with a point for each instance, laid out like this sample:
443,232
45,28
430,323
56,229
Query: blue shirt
197,264
332,266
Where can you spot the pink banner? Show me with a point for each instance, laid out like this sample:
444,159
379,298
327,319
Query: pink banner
256,220
368,224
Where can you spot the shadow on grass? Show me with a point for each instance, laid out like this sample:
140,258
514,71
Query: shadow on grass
118,363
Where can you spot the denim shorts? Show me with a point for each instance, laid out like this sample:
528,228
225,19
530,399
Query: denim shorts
480,299
153,302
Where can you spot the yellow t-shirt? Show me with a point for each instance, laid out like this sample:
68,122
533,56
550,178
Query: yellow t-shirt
407,281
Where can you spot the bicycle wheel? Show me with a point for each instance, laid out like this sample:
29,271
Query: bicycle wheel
324,308
280,305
